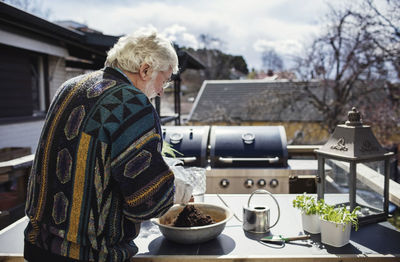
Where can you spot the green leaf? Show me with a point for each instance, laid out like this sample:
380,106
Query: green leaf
309,204
169,150
341,215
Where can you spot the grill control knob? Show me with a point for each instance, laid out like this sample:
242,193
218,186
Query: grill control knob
249,183
273,183
224,183
261,182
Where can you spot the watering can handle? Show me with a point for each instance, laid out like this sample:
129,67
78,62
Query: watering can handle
276,202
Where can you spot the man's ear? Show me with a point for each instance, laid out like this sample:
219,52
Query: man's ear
145,72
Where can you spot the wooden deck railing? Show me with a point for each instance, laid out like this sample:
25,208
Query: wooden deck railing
302,150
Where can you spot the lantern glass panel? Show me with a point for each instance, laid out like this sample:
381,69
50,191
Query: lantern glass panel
370,195
369,192
336,182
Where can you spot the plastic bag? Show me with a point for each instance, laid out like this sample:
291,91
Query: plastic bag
183,187
197,178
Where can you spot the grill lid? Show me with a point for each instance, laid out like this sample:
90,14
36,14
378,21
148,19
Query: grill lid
248,146
191,141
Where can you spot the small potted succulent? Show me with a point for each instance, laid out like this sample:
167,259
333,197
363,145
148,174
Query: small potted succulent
336,225
311,209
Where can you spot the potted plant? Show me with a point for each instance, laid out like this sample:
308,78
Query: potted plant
311,208
336,225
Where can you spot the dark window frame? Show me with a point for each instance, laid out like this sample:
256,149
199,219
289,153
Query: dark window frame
28,76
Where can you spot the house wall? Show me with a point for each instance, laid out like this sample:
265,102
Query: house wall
74,72
21,135
57,74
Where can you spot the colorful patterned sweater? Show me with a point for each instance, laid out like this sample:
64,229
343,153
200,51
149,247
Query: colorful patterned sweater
98,171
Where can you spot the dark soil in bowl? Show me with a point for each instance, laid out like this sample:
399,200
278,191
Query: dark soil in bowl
191,217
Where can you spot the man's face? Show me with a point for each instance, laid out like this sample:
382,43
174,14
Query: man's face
155,86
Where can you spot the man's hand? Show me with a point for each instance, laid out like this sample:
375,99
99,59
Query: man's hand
183,191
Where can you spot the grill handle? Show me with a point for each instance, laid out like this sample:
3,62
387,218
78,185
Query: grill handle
255,159
187,159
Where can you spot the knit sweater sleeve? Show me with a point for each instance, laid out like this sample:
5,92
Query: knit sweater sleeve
145,180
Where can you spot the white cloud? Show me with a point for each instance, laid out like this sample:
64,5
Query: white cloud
179,35
262,45
287,47
189,40
174,30
245,27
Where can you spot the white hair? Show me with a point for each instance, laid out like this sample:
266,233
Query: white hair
132,51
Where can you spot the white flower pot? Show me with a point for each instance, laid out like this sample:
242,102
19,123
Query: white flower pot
333,234
311,223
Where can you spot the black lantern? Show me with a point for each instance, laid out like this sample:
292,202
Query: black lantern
360,170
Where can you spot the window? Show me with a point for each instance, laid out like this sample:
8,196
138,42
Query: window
22,83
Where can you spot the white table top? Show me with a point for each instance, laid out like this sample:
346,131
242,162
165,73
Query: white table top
380,241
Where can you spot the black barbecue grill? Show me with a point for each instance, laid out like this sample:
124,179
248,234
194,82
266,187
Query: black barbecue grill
248,146
230,146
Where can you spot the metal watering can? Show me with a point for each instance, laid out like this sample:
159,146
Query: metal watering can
257,219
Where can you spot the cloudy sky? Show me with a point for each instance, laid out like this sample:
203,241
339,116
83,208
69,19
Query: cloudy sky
245,27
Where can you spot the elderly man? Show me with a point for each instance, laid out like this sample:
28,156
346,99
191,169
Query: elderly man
98,170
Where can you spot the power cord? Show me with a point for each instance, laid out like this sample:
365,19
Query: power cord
220,198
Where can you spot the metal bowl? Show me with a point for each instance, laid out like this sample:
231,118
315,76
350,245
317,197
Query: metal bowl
193,235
